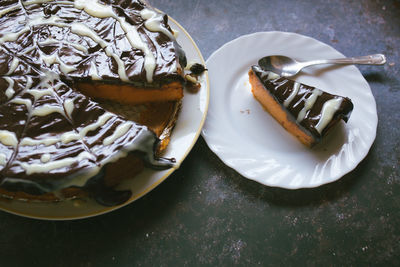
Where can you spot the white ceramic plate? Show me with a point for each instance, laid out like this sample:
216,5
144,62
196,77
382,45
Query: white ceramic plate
184,136
249,140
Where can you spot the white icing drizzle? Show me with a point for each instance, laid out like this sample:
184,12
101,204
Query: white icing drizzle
23,101
69,106
10,90
142,144
8,138
53,21
29,83
269,74
153,22
328,110
64,2
309,103
83,30
100,122
48,90
121,130
58,86
13,67
69,137
3,159
82,178
72,136
38,93
7,10
93,71
33,142
12,36
53,165
272,76
94,8
53,59
292,95
115,157
47,109
45,158
32,2
28,50
54,41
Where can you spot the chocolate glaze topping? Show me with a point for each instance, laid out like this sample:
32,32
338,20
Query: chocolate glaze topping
52,136
314,110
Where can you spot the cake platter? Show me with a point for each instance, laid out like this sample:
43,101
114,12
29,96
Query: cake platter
185,134
249,140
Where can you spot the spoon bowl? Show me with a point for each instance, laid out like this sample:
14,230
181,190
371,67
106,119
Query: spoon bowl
287,67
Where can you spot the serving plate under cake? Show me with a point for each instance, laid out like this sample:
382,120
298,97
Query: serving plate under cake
248,139
185,133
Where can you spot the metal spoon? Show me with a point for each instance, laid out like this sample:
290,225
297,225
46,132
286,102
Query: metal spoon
286,66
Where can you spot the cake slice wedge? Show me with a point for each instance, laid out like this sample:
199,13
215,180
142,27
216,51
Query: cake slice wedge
306,112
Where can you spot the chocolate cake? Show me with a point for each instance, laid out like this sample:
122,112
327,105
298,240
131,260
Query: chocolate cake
306,112
56,141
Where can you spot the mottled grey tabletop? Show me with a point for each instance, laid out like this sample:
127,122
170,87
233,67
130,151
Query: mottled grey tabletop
208,214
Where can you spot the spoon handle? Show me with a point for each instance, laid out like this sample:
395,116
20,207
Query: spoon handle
376,59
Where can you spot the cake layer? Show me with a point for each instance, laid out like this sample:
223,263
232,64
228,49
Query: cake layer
129,94
305,111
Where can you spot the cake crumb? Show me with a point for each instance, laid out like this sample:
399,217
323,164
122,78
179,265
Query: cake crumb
197,69
246,111
192,79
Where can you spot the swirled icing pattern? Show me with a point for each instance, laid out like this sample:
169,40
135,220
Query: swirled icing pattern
52,136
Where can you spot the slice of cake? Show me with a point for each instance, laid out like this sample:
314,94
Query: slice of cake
56,58
304,111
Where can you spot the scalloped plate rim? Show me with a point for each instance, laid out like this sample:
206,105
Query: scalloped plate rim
226,159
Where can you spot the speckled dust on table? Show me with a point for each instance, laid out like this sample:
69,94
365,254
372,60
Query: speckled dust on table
207,214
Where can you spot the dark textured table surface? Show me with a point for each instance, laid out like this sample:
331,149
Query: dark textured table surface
208,214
